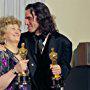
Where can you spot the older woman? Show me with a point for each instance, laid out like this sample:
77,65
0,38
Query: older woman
10,67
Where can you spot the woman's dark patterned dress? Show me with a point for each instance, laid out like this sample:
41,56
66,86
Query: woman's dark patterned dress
7,62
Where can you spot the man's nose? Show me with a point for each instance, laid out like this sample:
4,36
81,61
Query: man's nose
26,22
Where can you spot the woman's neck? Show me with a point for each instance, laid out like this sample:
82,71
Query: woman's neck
12,47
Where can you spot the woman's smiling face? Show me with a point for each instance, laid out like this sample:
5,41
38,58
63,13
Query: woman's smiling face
12,34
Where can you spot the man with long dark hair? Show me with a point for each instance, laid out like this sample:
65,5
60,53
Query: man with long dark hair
41,37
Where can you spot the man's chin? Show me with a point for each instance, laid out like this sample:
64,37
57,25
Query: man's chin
30,31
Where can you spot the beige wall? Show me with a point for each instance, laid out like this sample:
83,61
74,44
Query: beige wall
72,18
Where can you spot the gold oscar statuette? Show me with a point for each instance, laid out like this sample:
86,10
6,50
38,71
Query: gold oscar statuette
53,56
23,53
24,78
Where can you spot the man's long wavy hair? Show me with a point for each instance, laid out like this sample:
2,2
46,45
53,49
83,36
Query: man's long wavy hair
44,17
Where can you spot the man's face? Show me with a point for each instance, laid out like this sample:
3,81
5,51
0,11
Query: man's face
31,21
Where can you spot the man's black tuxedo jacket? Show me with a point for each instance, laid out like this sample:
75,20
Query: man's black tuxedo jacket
40,67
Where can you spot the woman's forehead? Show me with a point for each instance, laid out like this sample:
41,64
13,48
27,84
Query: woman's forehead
13,26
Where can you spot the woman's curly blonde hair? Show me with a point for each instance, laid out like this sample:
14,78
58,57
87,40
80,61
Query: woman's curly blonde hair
9,20
4,21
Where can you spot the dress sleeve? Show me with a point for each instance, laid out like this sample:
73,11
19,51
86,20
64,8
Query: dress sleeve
3,63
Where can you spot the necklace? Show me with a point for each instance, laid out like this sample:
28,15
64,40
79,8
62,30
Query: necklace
16,53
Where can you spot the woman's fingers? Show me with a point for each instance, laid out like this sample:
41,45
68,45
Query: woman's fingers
21,66
24,64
